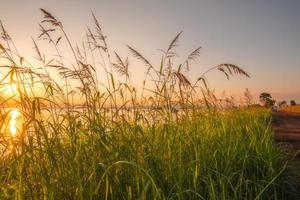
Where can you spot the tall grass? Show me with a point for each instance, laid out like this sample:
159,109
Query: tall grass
165,140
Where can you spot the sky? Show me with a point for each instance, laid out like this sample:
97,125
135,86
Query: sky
260,36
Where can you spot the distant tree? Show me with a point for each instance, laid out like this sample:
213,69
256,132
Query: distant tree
267,99
293,103
248,97
282,104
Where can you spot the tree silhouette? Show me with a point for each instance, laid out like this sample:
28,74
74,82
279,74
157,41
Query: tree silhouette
282,104
293,102
266,99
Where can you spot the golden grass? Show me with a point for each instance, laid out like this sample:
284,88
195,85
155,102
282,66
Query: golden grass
293,109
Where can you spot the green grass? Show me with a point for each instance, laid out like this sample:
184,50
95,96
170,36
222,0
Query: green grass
225,155
165,140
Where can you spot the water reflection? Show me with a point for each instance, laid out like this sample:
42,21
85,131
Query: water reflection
15,122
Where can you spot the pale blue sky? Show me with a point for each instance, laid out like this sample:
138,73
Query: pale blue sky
261,36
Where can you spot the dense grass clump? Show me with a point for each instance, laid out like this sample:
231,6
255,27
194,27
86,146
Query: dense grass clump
222,155
83,136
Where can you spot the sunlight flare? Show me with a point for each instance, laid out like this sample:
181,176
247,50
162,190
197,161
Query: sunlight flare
13,122
14,88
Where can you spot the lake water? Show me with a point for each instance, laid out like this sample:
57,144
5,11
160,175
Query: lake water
13,119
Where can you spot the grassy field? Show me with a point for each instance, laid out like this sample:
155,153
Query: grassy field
222,155
168,139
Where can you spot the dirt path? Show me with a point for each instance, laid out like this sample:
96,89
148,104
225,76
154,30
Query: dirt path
286,127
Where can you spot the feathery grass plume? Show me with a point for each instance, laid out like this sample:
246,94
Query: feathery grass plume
193,56
91,39
203,80
172,45
121,66
46,31
139,56
98,41
10,53
227,69
45,34
230,69
100,34
49,18
4,34
81,55
182,79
